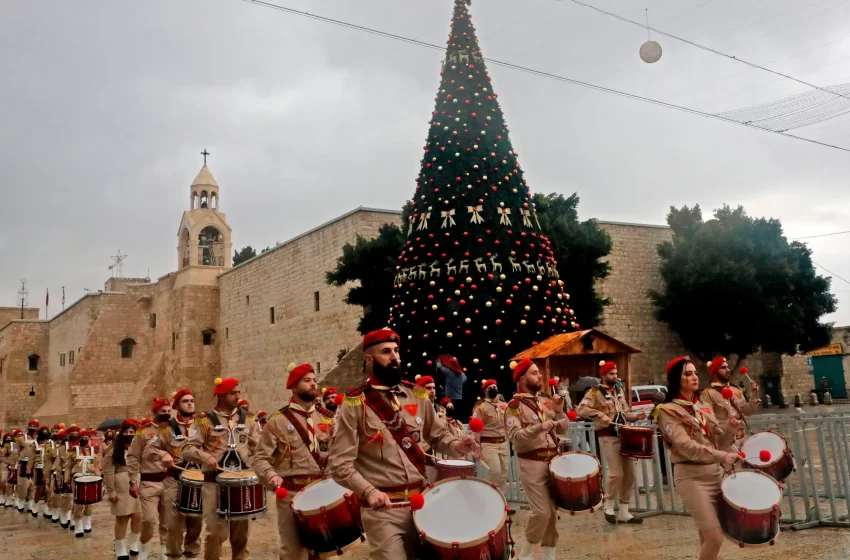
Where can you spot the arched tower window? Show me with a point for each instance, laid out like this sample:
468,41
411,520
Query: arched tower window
127,347
210,247
195,200
204,199
184,249
214,200
32,362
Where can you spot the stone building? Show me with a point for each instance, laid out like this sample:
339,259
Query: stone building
110,352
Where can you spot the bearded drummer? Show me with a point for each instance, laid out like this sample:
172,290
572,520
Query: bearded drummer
531,419
606,406
727,401
208,447
293,452
691,432
375,449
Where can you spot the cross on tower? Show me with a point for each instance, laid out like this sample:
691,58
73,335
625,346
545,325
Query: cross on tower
205,153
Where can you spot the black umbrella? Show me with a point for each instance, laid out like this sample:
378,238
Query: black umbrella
584,383
110,424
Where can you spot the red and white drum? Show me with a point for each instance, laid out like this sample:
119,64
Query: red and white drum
189,498
780,465
749,508
576,482
328,518
240,494
636,442
464,519
88,489
450,468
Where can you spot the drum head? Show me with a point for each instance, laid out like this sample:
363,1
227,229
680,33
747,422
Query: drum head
446,518
574,465
771,441
455,462
752,490
193,475
319,494
88,478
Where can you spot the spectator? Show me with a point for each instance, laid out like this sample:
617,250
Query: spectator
454,380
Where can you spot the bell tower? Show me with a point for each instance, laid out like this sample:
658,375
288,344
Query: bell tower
203,238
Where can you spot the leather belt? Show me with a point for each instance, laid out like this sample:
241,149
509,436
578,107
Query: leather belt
543,454
485,439
298,482
154,477
401,493
606,432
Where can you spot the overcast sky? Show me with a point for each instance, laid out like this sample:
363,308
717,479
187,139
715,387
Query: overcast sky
106,104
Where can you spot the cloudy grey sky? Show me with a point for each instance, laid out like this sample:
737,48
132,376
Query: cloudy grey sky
106,104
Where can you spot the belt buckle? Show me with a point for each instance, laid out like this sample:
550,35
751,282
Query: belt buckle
406,493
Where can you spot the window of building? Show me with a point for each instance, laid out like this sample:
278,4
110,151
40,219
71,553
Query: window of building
33,362
318,367
62,359
152,320
271,315
247,300
316,305
2,362
127,347
227,332
71,357
173,341
209,337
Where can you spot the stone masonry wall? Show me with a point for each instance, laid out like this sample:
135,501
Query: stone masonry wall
9,314
257,351
18,341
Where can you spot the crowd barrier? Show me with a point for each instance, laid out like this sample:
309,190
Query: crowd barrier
816,494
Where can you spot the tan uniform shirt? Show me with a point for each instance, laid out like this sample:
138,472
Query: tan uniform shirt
524,424
600,402
212,441
169,443
75,459
685,437
724,409
28,453
365,456
493,415
282,452
59,459
143,457
10,454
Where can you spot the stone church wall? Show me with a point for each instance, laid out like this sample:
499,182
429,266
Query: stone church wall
18,341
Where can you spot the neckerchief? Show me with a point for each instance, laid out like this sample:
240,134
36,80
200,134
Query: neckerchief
307,413
388,414
308,438
691,408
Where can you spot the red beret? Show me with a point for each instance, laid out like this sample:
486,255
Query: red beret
33,423
145,422
159,402
450,362
445,400
18,432
74,436
522,367
61,434
296,374
424,380
379,337
224,386
672,363
262,414
88,433
243,402
179,395
715,364
488,383
73,428
58,426
128,423
330,391
606,367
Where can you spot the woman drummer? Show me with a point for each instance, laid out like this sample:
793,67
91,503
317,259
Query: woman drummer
690,432
116,478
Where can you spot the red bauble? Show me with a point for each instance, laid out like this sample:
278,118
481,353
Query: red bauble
476,425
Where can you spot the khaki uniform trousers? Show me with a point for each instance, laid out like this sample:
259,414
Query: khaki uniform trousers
390,533
621,477
78,510
496,455
287,528
54,499
219,530
178,524
154,507
540,527
67,503
25,489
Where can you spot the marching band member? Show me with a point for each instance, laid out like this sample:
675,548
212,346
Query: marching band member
116,484
262,418
606,406
530,419
81,458
453,425
375,449
691,432
7,463
329,398
26,461
66,504
494,443
54,498
44,463
183,532
243,404
727,401
209,447
148,470
293,452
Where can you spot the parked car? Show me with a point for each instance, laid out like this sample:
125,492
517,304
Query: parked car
642,396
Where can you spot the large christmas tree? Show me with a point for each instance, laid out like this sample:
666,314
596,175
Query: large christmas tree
477,278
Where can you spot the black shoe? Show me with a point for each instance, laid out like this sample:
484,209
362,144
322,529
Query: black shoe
64,525
134,553
512,511
123,557
635,521
55,520
611,518
87,531
79,535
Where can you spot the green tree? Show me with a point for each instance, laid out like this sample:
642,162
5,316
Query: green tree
579,248
735,285
371,264
243,255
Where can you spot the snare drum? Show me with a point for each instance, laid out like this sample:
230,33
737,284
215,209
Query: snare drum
38,478
240,494
565,445
88,489
189,499
636,442
464,519
328,518
450,468
781,463
575,482
749,508
22,468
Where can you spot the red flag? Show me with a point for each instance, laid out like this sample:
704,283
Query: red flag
47,298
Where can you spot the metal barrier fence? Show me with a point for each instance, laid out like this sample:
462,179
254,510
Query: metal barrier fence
816,494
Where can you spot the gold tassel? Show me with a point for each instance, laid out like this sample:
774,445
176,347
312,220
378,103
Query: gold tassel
353,401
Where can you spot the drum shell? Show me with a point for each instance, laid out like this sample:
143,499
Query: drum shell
38,477
747,528
22,468
578,494
494,547
565,445
780,468
336,526
235,501
446,470
89,492
189,499
636,442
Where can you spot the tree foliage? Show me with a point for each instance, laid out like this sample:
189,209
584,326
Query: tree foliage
243,255
735,285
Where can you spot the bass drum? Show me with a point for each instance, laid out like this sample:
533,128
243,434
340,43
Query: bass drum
328,518
575,482
748,508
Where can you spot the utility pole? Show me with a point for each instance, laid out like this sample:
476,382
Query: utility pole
23,296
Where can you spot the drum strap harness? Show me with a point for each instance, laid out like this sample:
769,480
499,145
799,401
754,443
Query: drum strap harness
395,426
305,436
216,422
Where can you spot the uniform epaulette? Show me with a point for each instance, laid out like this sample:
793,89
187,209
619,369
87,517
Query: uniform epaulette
327,414
513,406
202,415
407,383
277,412
419,392
353,397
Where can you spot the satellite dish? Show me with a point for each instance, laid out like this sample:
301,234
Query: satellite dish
650,52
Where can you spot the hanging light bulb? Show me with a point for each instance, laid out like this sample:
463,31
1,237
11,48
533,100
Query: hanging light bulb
650,52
